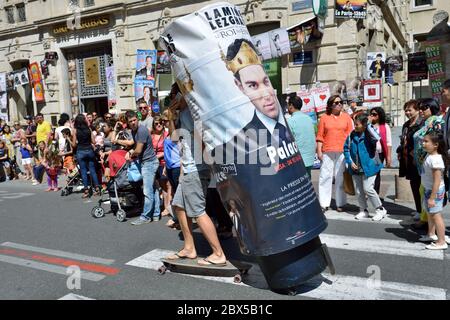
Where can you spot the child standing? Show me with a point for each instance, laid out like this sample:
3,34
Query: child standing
52,165
26,151
363,165
67,152
433,182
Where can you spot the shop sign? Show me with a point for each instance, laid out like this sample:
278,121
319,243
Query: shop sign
85,24
301,5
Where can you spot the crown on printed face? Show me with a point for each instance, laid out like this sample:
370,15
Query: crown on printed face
244,58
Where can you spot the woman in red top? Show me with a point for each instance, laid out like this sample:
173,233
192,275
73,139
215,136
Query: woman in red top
334,128
159,134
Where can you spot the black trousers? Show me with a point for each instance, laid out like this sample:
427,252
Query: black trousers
415,186
378,178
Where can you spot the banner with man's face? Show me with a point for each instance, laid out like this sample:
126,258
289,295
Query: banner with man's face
259,171
146,66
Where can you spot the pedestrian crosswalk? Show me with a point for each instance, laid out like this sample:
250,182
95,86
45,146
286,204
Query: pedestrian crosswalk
348,286
56,261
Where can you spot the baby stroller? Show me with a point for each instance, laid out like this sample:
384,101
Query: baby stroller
74,180
124,197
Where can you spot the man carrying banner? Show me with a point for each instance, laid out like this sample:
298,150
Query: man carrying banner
190,197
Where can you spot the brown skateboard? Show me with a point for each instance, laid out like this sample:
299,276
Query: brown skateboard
233,268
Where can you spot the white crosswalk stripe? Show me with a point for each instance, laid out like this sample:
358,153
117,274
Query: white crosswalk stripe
344,216
325,286
72,296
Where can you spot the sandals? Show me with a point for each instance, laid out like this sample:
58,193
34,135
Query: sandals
207,262
177,256
85,194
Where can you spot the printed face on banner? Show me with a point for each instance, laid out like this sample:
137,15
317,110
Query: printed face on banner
279,42
262,45
340,88
355,91
143,92
351,9
375,65
251,78
146,65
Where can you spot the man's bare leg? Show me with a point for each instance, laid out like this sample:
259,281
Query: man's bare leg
188,250
209,231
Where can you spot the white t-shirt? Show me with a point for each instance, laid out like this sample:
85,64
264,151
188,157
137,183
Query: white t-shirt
432,162
61,139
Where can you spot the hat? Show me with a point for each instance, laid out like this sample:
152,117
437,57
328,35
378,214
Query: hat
28,117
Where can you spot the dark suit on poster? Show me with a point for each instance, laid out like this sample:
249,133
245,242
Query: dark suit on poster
252,185
142,73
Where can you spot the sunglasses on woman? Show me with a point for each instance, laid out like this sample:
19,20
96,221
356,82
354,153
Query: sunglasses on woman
424,107
374,114
337,103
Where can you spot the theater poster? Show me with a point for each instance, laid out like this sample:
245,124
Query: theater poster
308,104
146,66
163,65
260,173
351,9
262,44
321,94
143,92
111,81
279,42
36,82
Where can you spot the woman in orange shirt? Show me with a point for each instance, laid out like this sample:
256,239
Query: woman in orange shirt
334,128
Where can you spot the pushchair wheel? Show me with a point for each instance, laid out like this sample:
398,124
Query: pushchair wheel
98,212
69,191
121,215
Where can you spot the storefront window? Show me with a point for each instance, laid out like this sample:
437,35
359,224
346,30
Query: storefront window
418,3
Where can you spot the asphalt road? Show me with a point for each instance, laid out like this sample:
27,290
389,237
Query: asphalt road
41,234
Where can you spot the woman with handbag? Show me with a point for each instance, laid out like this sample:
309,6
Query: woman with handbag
83,140
363,165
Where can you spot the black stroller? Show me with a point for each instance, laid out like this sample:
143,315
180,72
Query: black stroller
125,198
74,181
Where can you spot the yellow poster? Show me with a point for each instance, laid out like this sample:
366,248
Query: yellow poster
92,71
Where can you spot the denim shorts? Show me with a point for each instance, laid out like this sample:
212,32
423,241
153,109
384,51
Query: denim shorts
439,201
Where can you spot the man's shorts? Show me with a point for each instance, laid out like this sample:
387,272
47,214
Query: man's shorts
191,193
439,201
26,161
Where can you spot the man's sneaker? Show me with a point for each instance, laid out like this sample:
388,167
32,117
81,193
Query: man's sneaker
35,183
140,221
427,238
434,246
362,214
380,214
416,216
157,218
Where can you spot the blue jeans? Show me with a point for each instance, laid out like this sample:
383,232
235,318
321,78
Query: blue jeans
86,159
151,194
38,172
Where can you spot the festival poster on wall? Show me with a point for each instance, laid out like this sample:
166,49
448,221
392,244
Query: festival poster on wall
36,82
35,73
262,44
308,104
3,98
143,92
38,90
262,182
351,9
305,32
355,90
417,66
146,66
436,67
163,65
375,65
21,77
321,94
91,71
372,92
393,64
279,42
111,81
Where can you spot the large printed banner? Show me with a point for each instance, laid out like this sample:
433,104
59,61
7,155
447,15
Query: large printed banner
260,173
435,67
351,9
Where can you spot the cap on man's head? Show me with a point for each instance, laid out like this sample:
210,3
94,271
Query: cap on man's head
28,117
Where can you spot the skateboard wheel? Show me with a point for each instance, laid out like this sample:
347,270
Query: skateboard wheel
237,278
292,292
162,270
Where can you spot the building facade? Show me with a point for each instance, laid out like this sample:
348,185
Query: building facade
91,35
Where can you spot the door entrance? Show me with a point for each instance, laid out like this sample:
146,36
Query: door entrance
98,105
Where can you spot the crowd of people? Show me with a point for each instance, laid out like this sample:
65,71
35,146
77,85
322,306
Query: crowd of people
346,141
359,143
